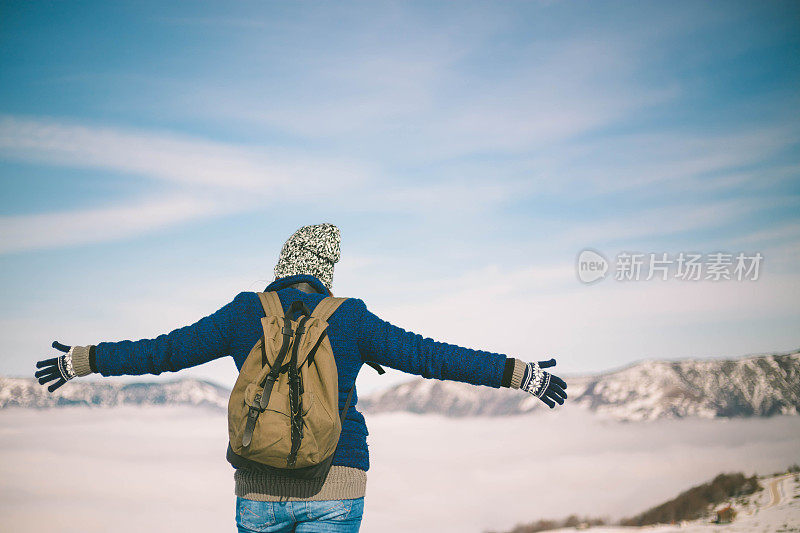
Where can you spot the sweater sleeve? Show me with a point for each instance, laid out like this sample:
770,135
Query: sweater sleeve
207,339
392,346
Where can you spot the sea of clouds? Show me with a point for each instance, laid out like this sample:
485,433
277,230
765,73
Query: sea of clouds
163,468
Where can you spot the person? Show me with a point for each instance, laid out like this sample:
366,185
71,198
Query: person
304,271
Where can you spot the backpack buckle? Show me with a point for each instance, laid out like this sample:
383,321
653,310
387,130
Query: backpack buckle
287,329
257,400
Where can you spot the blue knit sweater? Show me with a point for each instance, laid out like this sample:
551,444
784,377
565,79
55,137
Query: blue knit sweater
356,335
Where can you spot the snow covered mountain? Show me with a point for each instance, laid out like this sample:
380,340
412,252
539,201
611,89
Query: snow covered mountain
762,385
751,386
27,392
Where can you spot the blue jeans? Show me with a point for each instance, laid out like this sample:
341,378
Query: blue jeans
326,516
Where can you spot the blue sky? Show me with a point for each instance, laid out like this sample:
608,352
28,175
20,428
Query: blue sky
154,158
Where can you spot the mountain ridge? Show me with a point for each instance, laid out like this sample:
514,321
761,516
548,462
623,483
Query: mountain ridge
28,393
751,385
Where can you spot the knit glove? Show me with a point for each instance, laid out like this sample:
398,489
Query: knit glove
75,362
544,385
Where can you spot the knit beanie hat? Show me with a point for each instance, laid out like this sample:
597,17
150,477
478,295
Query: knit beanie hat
310,250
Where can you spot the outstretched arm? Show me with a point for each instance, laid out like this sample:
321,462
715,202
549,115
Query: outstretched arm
207,339
392,346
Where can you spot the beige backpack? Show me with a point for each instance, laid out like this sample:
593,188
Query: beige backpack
283,410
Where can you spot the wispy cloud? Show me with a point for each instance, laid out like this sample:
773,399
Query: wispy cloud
208,179
181,159
69,228
436,197
653,222
425,100
675,160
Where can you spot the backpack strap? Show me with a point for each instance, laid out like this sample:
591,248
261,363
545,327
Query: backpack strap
271,303
346,408
295,400
326,307
272,306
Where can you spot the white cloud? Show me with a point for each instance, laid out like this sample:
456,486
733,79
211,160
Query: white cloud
671,161
419,100
211,178
673,219
68,228
790,230
432,197
598,467
180,159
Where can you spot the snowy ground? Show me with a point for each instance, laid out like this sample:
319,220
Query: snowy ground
163,468
777,509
